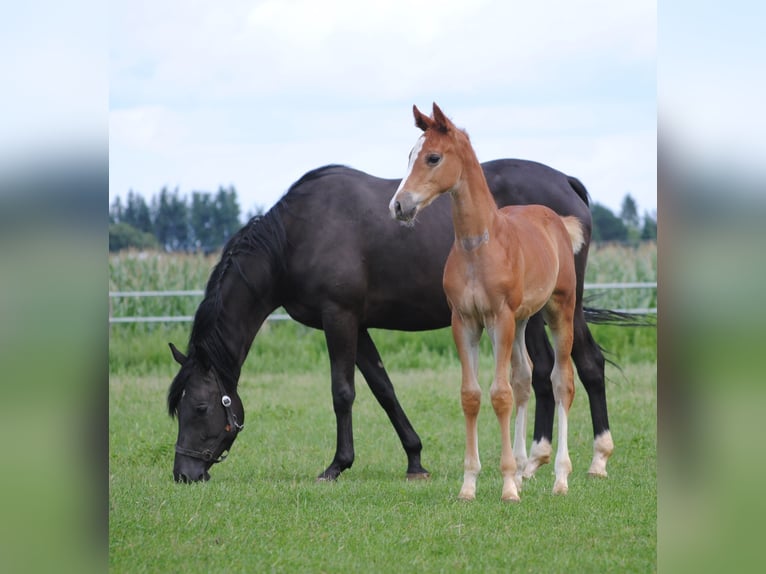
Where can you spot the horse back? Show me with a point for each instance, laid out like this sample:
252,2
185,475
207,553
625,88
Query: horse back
345,251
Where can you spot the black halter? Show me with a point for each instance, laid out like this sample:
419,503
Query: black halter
231,430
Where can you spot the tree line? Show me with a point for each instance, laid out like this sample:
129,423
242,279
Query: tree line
205,221
627,227
202,222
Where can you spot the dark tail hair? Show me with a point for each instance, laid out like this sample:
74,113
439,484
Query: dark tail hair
618,318
579,189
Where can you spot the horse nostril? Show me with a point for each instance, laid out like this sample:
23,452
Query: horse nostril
398,208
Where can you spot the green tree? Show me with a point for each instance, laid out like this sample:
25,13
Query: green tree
629,212
649,229
606,225
124,236
115,211
226,215
136,213
202,220
171,220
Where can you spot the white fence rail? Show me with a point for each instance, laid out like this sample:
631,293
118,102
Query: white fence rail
284,316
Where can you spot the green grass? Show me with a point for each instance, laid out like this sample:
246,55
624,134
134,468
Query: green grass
262,511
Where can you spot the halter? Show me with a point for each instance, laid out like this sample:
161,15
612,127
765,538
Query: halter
232,426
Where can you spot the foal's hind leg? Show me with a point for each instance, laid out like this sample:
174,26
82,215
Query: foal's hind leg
369,363
559,319
521,380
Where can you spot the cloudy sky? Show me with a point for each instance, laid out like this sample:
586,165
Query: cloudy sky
255,93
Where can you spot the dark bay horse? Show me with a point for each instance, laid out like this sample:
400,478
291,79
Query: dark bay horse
328,253
505,265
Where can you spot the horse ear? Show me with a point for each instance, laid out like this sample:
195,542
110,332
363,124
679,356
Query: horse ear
177,355
440,120
421,120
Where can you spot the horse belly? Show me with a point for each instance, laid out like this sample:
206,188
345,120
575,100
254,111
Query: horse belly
533,300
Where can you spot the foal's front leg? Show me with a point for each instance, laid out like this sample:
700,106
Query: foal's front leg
467,334
503,333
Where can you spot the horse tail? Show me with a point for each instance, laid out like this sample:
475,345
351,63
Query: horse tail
576,235
597,316
579,189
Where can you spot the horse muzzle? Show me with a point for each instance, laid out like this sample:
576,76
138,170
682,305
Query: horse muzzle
403,207
186,470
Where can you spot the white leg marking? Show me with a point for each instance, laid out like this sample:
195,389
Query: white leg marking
539,454
521,380
562,466
602,450
520,443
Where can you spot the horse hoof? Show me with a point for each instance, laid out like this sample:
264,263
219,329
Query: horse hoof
594,474
529,472
418,476
467,496
509,499
560,489
327,477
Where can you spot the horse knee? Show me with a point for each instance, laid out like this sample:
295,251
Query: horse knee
564,391
471,401
343,397
502,398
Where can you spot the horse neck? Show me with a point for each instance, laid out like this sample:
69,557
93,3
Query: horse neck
247,292
473,208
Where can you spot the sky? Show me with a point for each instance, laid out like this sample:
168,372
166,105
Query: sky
255,93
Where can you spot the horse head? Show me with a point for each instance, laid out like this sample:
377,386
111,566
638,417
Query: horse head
209,417
434,165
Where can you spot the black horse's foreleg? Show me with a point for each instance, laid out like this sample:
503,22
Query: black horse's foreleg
541,355
369,363
341,328
589,361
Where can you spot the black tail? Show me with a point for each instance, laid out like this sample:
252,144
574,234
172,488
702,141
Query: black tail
579,189
597,316
619,318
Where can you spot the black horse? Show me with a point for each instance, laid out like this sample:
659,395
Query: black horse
330,254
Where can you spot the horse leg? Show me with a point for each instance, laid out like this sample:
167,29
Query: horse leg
502,334
589,361
369,363
560,322
521,381
541,355
467,335
341,328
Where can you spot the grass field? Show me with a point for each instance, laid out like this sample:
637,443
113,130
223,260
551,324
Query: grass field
263,510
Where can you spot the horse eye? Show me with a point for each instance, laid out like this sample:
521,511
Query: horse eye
433,159
201,409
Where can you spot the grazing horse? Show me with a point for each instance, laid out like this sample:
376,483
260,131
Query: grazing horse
505,265
328,253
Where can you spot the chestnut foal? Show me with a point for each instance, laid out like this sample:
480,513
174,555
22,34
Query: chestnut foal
505,265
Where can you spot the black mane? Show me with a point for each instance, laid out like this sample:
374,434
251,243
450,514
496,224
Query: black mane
263,235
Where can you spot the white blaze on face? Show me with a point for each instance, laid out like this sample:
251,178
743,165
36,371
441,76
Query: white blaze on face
413,157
